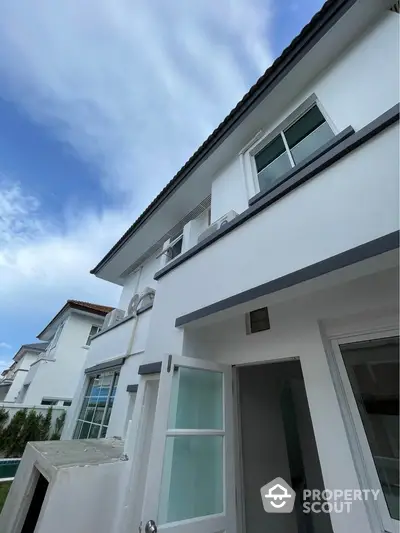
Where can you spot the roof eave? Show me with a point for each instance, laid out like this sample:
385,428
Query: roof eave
322,21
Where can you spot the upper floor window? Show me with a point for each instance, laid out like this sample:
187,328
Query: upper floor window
56,336
174,248
291,146
93,331
97,404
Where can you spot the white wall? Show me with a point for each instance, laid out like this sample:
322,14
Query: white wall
16,386
13,409
21,370
351,91
139,280
79,499
352,202
295,333
114,344
228,191
59,378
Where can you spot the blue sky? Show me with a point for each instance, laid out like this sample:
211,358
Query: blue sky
100,104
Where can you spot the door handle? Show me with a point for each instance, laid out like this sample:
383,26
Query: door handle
150,527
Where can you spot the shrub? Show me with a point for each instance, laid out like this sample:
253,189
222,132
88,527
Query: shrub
56,435
3,417
26,426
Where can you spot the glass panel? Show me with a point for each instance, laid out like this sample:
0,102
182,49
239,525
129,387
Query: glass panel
77,430
373,370
269,153
84,431
108,412
192,481
89,414
103,432
196,400
98,415
94,431
312,142
270,175
304,126
94,404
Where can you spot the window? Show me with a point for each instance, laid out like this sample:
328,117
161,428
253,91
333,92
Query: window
97,404
174,248
373,371
67,403
257,320
47,401
56,336
93,331
291,146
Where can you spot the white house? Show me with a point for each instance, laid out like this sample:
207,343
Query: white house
13,378
48,373
270,349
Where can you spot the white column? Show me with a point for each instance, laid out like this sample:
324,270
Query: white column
337,465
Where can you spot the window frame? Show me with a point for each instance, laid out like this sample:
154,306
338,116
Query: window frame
56,337
362,456
264,137
90,336
90,378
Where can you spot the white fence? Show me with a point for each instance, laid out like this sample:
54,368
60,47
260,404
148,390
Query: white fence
12,408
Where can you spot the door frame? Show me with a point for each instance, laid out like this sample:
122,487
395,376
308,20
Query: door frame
237,433
371,328
134,441
227,519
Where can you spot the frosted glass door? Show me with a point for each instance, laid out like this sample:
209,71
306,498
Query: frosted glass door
190,482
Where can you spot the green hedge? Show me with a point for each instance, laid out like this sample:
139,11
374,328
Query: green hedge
25,426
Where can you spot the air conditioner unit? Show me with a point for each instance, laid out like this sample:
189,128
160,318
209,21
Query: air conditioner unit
220,223
137,300
115,316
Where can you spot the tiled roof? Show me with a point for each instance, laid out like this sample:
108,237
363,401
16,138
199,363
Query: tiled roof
330,12
91,307
96,309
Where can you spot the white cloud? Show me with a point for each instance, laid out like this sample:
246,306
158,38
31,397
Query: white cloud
5,345
134,88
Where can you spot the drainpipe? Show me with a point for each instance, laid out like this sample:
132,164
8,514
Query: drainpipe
132,337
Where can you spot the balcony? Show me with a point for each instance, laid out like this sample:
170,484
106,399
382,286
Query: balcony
350,201
120,340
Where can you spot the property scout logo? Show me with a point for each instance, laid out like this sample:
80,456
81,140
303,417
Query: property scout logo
279,497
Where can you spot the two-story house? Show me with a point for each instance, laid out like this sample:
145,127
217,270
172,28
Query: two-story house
52,375
14,377
270,345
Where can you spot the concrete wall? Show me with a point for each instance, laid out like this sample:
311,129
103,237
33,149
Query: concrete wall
59,378
81,498
83,489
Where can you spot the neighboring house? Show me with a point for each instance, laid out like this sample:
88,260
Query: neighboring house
271,347
15,376
52,376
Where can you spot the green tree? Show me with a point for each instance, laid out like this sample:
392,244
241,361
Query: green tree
59,424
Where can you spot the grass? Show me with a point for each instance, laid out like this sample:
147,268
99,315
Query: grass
4,488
